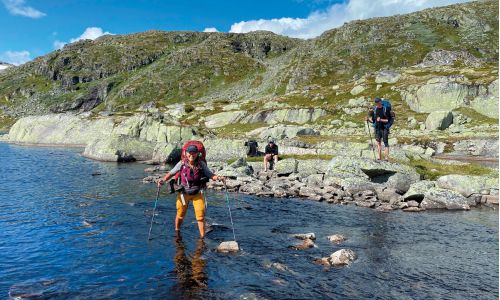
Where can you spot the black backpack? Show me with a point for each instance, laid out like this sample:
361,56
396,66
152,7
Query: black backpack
252,148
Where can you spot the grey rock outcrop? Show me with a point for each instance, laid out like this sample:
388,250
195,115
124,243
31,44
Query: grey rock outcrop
120,148
466,184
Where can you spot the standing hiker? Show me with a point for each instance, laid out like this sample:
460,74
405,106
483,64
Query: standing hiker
191,174
271,154
382,118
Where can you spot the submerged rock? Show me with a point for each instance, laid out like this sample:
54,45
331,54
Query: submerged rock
306,244
305,236
341,257
336,238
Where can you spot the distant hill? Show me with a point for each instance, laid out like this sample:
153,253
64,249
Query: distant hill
123,73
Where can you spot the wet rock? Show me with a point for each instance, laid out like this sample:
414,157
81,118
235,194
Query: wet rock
336,238
306,244
252,188
304,236
384,207
341,257
226,247
413,209
385,194
369,204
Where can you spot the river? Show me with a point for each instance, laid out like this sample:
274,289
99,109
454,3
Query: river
72,228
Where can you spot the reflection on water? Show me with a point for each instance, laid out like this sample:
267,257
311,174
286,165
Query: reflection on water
190,271
67,234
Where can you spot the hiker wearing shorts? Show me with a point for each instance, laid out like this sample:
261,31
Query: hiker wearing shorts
193,174
381,118
271,153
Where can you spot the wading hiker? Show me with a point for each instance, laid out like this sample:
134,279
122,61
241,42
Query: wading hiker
382,117
271,154
191,174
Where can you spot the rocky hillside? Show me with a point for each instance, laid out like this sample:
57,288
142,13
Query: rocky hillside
437,59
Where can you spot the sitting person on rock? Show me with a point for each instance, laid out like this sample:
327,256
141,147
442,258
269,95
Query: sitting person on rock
271,154
193,174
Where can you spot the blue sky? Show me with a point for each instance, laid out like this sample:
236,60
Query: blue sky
33,28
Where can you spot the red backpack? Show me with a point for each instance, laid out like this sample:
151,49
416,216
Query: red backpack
202,154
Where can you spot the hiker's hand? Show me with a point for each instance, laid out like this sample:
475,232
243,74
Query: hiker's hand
378,119
221,178
160,182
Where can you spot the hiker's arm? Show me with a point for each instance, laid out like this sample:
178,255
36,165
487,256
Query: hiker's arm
169,174
209,173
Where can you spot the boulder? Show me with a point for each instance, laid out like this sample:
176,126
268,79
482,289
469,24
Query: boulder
286,131
252,188
224,149
286,166
387,76
441,93
467,184
358,89
487,103
441,120
341,257
386,194
306,244
226,247
304,236
393,175
166,153
336,238
442,198
291,115
417,190
239,168
224,118
312,166
119,148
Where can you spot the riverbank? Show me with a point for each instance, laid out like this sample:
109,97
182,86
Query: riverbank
337,170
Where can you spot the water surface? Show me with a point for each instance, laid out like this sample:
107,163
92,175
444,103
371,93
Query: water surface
75,228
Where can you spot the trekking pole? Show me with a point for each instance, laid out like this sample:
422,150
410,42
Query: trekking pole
229,207
371,140
153,216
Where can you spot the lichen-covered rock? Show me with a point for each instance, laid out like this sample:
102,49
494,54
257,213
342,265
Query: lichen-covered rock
224,149
467,184
224,118
487,103
440,119
437,198
387,76
286,166
285,131
119,148
417,190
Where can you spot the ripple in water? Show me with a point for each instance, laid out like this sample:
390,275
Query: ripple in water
67,233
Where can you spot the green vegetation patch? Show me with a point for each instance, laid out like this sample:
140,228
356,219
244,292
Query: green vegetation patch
431,170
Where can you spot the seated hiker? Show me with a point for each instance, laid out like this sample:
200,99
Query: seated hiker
191,174
271,153
381,118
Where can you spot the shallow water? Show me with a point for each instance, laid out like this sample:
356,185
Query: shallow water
65,233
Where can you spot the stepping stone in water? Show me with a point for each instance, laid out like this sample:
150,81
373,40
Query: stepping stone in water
226,247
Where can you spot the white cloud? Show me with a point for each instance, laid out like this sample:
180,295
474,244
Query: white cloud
336,15
19,8
91,33
15,57
210,29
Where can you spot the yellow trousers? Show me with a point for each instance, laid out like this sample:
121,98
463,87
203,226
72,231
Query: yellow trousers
198,204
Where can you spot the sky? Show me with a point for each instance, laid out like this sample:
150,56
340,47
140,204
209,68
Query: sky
32,28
